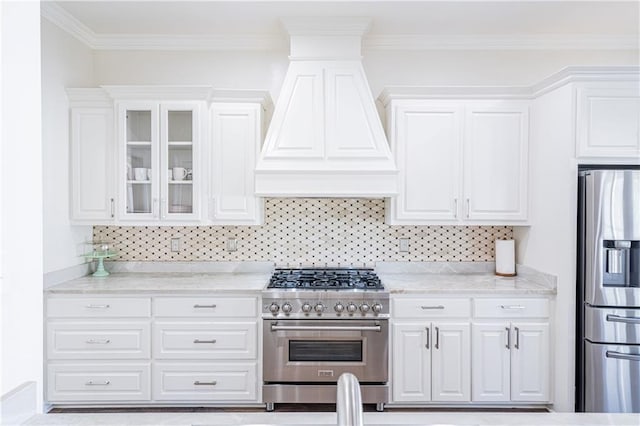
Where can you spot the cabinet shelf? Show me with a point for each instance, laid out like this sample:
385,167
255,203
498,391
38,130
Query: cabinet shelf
180,182
139,143
180,143
139,182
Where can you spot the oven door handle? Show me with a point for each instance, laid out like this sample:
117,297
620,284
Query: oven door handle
276,327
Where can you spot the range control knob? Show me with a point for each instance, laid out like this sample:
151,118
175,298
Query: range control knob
287,308
351,308
364,308
274,308
319,308
306,308
377,308
339,308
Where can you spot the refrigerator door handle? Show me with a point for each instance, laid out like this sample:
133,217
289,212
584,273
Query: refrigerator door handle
626,320
618,355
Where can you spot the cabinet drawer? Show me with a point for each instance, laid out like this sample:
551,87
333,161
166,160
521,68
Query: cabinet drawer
209,382
511,308
205,340
95,340
98,382
431,308
205,307
98,307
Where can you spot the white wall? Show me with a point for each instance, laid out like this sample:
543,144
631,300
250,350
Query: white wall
21,194
549,244
265,70
65,63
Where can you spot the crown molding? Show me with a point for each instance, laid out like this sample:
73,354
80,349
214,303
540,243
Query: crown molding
158,92
564,76
506,42
330,26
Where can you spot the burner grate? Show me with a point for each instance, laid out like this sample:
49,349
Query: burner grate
326,279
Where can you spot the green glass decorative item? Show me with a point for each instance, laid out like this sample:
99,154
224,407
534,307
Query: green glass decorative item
100,250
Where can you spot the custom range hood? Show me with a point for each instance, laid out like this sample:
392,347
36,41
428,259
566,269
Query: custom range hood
325,137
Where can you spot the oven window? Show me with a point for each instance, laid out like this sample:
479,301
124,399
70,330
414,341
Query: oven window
325,350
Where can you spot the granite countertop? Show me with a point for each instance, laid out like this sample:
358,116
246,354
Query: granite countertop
473,284
397,277
165,282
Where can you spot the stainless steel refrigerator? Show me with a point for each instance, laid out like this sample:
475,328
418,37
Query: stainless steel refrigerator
608,291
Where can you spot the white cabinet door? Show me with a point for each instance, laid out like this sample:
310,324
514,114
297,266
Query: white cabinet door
427,142
451,362
608,121
495,161
491,364
411,371
236,138
92,165
180,173
159,171
530,361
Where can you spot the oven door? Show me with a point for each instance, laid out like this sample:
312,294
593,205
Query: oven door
321,350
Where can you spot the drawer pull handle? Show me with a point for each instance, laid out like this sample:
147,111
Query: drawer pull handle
626,320
211,383
92,383
432,307
512,306
204,306
204,341
97,306
619,355
99,341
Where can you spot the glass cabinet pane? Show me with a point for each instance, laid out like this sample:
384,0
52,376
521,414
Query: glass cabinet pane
139,161
180,162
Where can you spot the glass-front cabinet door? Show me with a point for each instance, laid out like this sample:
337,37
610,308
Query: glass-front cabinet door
160,143
179,146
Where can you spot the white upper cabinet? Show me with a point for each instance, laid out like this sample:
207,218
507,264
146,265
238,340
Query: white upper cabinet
236,136
92,157
608,120
427,142
495,161
459,161
159,173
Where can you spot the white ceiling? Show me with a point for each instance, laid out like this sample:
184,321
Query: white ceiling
438,19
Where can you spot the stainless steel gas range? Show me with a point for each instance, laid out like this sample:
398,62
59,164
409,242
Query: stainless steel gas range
318,324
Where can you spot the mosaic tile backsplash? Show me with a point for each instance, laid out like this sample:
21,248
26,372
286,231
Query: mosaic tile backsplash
309,231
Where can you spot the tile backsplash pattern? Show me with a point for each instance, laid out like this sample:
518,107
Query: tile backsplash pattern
309,231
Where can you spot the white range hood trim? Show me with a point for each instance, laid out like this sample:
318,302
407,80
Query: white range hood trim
326,138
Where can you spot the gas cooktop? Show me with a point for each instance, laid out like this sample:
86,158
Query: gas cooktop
325,279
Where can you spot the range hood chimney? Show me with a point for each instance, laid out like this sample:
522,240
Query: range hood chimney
325,137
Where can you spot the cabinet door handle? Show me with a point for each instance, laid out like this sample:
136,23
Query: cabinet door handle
204,341
92,383
455,208
508,346
113,208
432,307
98,341
517,345
163,208
91,306
468,208
154,208
203,306
211,383
427,345
437,338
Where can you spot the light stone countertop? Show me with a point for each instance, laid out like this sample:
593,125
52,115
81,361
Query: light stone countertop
473,284
165,282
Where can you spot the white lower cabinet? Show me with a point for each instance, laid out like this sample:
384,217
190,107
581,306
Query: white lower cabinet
441,353
81,382
194,381
148,350
511,357
431,362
